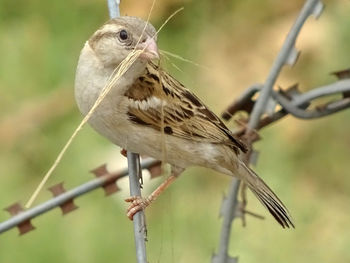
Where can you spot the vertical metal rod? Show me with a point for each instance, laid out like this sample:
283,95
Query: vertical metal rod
231,204
139,217
134,175
282,58
113,8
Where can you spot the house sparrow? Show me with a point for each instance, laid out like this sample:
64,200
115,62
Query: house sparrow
151,113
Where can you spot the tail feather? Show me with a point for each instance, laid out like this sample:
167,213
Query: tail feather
267,197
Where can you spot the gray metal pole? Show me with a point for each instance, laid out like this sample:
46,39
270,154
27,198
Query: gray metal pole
230,206
135,173
287,55
139,217
113,8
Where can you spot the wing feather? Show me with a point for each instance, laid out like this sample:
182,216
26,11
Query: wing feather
167,104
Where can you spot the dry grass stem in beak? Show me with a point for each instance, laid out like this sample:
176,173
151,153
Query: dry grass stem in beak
150,49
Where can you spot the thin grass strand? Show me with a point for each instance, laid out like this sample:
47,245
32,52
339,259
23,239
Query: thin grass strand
164,52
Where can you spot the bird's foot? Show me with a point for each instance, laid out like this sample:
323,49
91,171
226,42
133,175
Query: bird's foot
137,203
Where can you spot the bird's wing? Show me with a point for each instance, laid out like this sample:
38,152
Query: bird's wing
161,102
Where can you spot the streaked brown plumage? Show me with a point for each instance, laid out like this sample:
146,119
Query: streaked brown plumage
182,115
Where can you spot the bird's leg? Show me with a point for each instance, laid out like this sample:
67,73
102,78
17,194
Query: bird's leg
138,203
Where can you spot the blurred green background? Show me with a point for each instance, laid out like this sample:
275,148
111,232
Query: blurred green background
305,162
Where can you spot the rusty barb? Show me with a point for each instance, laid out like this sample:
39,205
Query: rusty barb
292,101
21,218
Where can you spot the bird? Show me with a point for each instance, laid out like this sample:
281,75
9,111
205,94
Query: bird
149,112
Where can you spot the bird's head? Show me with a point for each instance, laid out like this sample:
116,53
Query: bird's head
118,37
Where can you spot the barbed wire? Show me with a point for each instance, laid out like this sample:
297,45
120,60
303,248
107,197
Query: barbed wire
65,199
292,101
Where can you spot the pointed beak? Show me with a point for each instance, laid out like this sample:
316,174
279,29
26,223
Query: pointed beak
150,49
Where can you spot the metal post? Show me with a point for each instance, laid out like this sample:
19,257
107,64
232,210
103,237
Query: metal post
230,206
113,8
139,217
135,174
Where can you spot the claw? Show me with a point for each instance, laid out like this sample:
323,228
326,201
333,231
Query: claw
137,203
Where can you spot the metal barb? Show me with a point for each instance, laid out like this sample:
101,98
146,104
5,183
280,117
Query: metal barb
67,206
342,74
23,226
155,170
243,103
110,187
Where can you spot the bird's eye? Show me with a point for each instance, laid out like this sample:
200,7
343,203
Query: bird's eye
123,35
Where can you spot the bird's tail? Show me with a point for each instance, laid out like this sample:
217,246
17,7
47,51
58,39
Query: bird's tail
266,196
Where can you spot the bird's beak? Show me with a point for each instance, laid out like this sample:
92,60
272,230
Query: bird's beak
150,49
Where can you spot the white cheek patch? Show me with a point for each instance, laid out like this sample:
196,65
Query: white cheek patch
151,102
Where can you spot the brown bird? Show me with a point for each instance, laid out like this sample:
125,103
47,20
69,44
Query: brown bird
151,113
